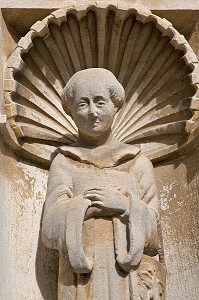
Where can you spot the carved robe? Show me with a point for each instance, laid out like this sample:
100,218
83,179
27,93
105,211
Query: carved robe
98,248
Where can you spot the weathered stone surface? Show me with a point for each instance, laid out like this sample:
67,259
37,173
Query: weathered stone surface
26,265
154,71
152,4
102,209
178,189
177,184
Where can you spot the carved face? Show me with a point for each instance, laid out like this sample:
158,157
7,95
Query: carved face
92,108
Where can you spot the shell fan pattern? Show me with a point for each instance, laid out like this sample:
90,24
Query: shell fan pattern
152,61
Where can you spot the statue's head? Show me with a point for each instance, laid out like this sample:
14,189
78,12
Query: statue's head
97,79
92,97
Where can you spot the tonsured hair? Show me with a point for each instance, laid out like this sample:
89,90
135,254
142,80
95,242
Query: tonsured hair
98,76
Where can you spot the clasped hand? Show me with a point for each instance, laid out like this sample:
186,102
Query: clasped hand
108,198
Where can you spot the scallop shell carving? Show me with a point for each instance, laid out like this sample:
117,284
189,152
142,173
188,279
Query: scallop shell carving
153,62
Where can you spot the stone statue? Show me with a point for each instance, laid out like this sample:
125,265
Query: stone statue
101,210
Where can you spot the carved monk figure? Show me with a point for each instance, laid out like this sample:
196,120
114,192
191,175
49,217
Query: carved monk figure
101,207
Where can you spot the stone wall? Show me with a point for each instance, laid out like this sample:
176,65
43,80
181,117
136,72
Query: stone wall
28,269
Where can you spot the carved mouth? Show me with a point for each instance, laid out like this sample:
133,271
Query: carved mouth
95,122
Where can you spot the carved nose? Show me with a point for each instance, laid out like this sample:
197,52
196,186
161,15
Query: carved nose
93,110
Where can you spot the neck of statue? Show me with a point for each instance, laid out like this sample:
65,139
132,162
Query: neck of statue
100,140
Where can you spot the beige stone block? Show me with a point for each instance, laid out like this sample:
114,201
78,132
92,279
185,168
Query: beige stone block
29,268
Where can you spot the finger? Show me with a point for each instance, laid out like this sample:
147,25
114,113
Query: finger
94,189
98,203
93,197
93,194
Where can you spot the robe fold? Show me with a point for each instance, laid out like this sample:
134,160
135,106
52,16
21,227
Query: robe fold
99,249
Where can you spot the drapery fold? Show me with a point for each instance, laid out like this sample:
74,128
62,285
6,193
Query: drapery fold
101,252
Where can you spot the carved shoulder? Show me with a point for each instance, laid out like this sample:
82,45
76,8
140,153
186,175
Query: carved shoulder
142,164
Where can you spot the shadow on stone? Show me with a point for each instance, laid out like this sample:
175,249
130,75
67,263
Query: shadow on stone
46,266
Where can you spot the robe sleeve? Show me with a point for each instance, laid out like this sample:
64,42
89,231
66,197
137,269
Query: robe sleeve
64,216
147,193
59,193
143,216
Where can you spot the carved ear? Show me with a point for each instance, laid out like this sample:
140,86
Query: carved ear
152,61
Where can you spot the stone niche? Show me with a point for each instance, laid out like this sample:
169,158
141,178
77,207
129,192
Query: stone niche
28,269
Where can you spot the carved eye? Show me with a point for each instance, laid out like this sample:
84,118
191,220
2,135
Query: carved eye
101,103
82,105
